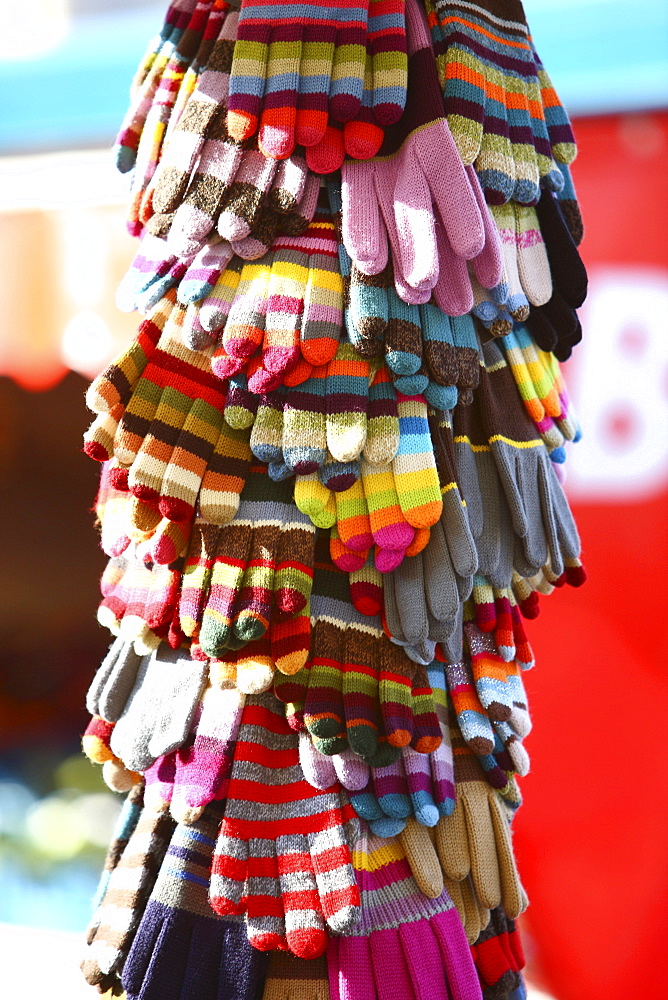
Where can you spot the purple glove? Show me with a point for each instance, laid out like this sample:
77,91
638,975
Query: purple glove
405,944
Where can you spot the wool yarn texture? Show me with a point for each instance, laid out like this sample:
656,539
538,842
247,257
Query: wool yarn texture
331,499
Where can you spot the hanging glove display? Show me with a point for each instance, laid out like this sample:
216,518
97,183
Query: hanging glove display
330,496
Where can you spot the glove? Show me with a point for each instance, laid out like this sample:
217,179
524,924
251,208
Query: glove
113,681
417,843
283,102
368,513
481,727
358,688
536,385
498,683
496,611
499,957
486,507
405,944
206,180
158,714
112,930
540,514
556,327
399,197
454,519
422,345
154,271
527,278
288,976
454,691
157,119
146,82
241,196
341,411
180,948
126,822
172,436
494,103
238,577
475,839
111,391
139,600
286,865
165,543
184,781
424,594
416,784
288,305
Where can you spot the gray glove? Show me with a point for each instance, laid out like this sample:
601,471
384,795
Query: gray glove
158,714
114,681
488,514
539,510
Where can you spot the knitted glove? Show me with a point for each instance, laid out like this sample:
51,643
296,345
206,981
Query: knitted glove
494,100
555,326
540,514
475,839
172,438
287,305
161,540
478,723
207,181
417,843
405,944
181,949
113,681
358,688
238,578
416,784
158,714
126,822
110,392
488,514
187,779
273,89
286,866
538,385
496,611
139,600
112,930
399,198
147,80
159,114
527,279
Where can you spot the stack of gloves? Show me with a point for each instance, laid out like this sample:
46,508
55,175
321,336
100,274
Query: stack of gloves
330,494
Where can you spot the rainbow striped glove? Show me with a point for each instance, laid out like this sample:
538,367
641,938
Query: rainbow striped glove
294,73
502,110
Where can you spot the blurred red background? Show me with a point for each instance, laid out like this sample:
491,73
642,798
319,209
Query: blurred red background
592,835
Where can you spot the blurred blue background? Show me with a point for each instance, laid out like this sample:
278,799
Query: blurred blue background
64,77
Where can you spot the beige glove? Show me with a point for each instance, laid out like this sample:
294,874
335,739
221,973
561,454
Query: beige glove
418,843
291,978
475,839
473,915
